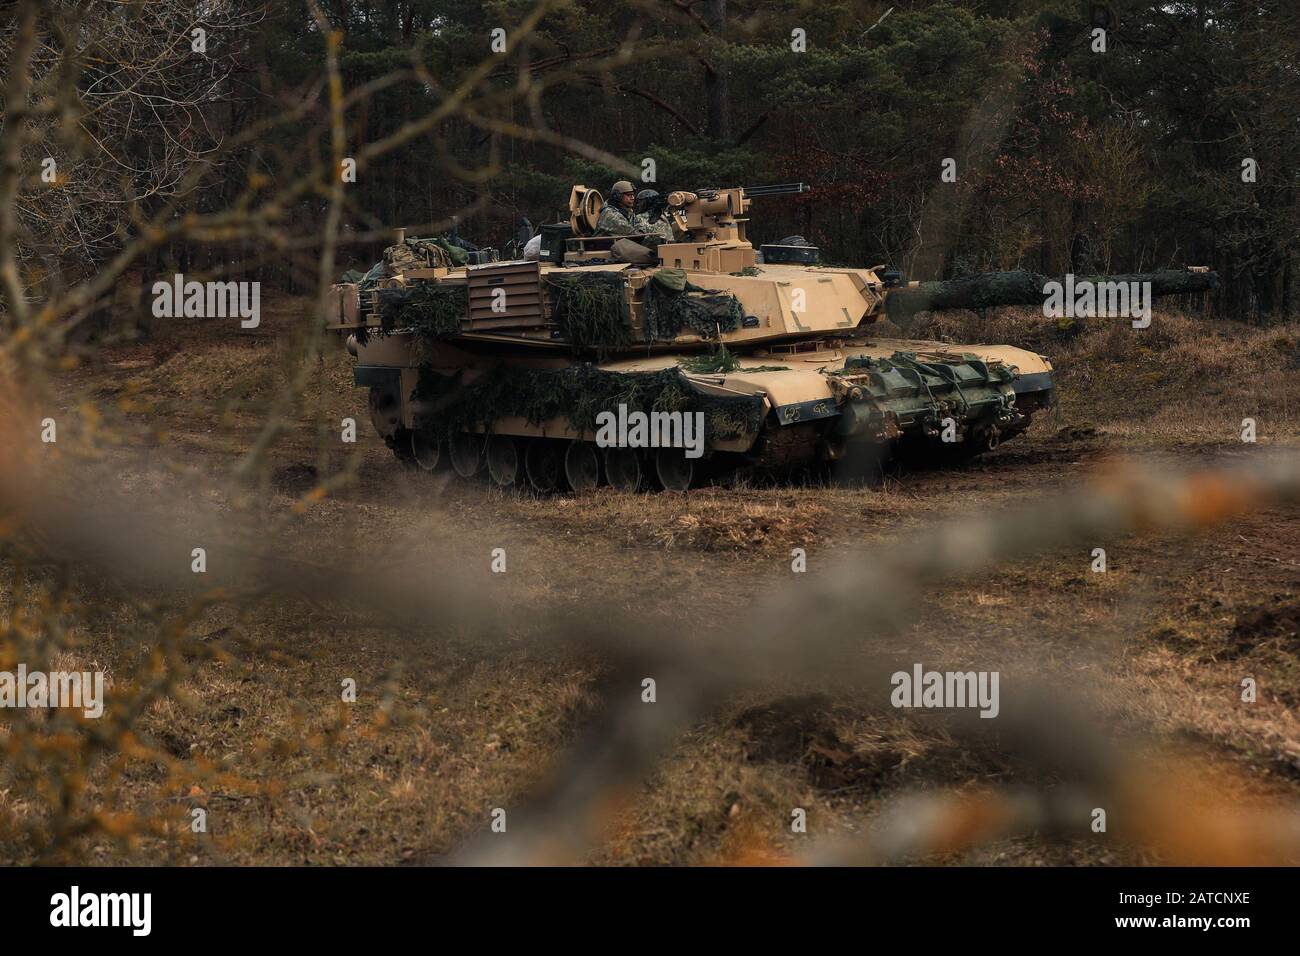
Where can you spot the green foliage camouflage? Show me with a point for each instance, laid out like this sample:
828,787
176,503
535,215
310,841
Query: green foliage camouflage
591,309
669,308
719,360
576,393
432,311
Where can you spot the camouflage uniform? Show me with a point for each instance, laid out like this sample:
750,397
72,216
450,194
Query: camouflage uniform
663,228
653,216
614,221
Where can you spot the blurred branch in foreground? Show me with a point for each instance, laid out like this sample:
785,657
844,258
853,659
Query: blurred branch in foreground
823,629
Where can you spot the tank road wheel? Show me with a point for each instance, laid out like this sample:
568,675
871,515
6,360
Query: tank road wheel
399,443
426,451
466,453
623,468
503,460
581,466
542,465
385,411
674,470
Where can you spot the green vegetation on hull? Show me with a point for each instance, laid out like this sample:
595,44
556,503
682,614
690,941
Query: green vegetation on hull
719,360
577,394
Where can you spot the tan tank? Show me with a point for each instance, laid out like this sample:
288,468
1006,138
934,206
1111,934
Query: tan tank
706,361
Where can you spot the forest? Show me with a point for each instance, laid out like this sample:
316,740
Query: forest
940,137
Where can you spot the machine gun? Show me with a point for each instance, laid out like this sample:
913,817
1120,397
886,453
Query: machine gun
709,225
654,206
712,222
754,192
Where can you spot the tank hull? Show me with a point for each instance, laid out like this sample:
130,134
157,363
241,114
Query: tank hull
776,410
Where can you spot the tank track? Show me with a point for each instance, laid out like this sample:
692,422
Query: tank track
782,453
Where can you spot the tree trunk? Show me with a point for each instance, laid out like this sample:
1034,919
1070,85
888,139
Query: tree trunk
715,78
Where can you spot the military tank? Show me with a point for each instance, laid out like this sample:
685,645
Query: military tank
707,360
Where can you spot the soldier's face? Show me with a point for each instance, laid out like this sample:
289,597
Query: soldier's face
627,199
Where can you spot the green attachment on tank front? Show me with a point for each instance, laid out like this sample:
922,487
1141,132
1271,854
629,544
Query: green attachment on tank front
915,394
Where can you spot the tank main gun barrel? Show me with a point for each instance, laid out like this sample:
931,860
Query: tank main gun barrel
989,289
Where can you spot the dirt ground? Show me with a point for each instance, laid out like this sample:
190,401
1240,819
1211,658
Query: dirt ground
445,729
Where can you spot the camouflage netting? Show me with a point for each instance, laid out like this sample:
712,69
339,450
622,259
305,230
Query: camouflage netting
433,311
591,308
669,308
576,393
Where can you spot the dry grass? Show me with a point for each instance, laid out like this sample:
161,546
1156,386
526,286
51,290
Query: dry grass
1183,378
445,731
